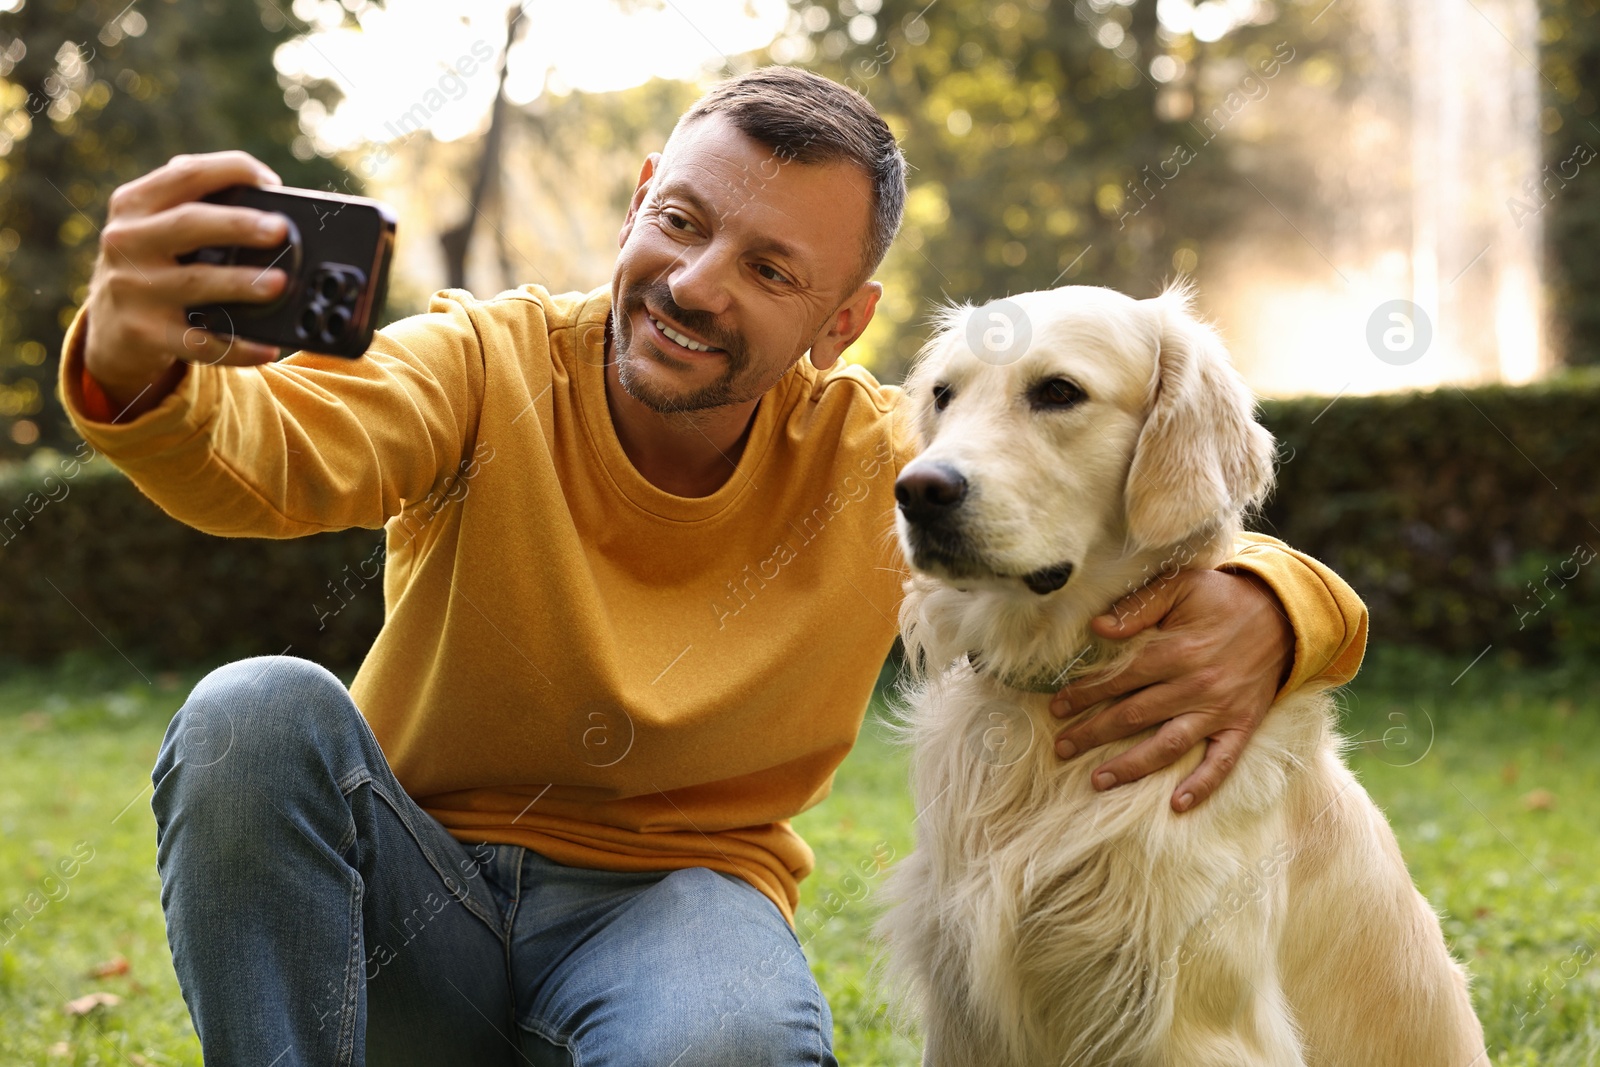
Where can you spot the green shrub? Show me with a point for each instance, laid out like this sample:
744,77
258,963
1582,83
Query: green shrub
88,563
1464,517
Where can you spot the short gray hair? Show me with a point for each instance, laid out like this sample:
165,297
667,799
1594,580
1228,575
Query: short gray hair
806,118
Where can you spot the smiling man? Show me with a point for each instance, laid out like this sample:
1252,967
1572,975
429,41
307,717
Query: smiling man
639,587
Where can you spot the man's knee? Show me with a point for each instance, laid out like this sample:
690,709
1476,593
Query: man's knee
770,1021
255,718
763,1006
699,890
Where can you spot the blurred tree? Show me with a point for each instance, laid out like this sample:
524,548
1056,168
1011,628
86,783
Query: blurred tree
456,242
1569,35
589,148
1057,142
93,94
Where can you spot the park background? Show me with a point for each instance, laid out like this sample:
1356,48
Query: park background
1307,164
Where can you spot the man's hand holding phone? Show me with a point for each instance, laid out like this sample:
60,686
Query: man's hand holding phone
139,333
209,260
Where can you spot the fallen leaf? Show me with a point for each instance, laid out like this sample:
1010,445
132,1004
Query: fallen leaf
1482,913
139,1061
1510,772
85,1004
1539,800
60,1048
115,966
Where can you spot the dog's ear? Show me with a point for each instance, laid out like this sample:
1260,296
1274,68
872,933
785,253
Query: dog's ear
1201,458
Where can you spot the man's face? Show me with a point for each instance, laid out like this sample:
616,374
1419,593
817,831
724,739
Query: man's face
733,261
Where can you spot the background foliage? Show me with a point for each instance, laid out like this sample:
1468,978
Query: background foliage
1460,516
1570,61
1038,149
90,565
93,95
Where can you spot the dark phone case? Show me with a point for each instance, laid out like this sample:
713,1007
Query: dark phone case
336,254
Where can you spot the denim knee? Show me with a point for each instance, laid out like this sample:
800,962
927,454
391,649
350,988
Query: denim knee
266,722
764,1008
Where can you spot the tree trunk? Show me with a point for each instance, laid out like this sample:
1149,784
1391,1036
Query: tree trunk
458,239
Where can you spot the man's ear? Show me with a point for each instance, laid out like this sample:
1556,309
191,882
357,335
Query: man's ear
845,325
1201,457
651,163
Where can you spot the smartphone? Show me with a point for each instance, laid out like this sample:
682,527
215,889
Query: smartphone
336,254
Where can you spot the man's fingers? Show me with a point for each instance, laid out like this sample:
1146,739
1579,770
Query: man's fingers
1086,693
1140,609
189,177
1155,662
1123,719
1162,749
186,227
198,345
1222,754
206,283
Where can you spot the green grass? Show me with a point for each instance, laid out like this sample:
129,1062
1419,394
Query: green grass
1491,784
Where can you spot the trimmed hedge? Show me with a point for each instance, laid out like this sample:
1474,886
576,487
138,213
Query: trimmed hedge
89,564
1465,518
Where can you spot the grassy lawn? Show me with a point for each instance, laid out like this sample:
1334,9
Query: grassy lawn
1492,783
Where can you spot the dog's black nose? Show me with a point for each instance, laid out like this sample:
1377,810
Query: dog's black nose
930,492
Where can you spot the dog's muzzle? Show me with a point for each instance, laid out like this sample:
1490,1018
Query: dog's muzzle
930,497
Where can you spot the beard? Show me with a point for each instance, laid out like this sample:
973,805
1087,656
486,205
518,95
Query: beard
632,353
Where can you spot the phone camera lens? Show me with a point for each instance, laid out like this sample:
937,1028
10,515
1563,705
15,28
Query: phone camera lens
331,288
337,322
310,324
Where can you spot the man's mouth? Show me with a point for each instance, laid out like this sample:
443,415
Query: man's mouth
678,337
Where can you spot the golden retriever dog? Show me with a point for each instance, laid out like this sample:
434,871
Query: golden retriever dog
1039,921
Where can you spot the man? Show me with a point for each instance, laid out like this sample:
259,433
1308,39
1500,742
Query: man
639,585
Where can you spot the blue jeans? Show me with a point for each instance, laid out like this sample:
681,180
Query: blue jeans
318,916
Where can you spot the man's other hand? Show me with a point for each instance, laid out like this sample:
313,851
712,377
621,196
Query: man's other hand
1226,650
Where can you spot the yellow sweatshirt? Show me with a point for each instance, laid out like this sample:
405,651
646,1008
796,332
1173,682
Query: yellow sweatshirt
572,659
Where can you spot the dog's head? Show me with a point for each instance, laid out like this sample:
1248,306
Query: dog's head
1073,426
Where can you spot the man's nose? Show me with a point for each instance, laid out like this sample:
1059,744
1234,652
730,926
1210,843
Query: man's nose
700,280
930,492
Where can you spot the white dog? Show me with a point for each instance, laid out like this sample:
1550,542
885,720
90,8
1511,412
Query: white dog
1041,922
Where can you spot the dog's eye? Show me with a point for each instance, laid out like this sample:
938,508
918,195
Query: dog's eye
941,396
1057,393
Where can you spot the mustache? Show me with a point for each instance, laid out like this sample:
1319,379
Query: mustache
703,324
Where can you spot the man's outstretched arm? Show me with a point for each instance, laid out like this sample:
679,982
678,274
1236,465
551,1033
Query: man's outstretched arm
1266,622
209,428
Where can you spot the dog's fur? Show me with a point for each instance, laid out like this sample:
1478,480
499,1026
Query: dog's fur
1041,922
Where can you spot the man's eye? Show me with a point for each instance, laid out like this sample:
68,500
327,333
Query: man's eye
770,274
677,221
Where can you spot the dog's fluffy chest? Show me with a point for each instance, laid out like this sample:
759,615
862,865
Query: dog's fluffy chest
1070,909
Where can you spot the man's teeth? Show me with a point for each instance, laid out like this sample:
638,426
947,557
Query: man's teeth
674,335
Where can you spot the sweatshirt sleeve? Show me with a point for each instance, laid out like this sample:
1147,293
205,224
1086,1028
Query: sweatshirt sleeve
1329,619
308,444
